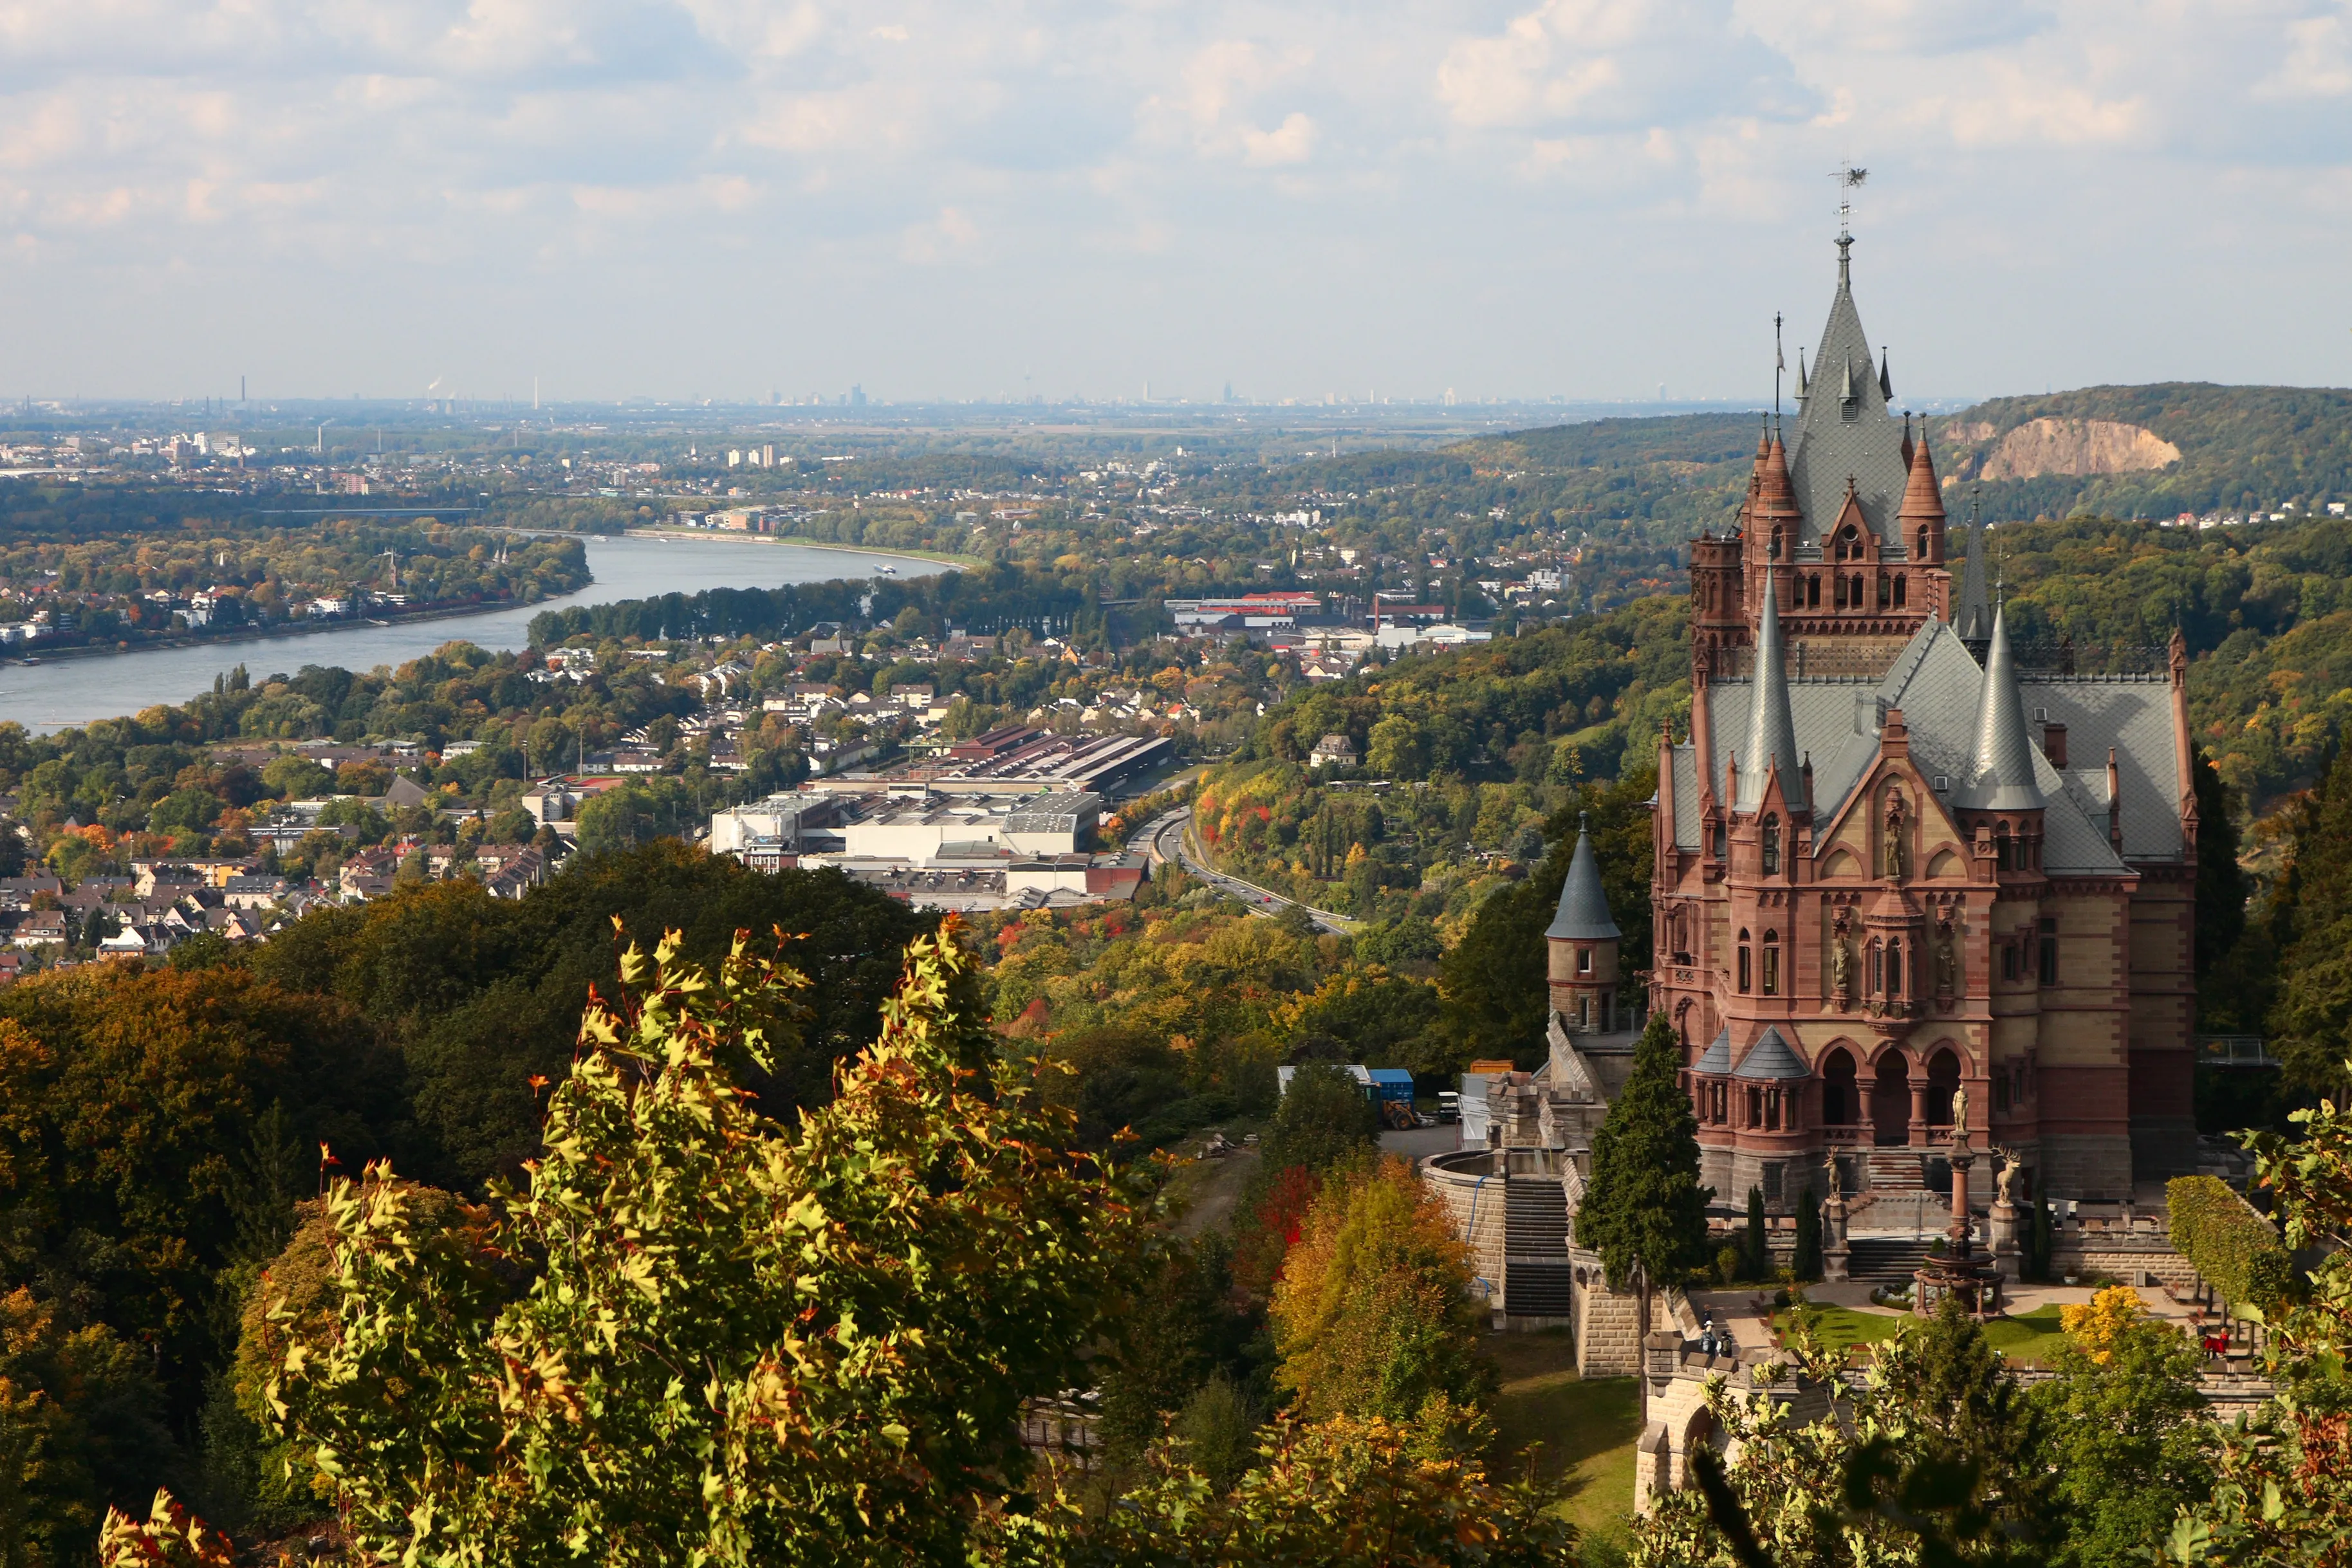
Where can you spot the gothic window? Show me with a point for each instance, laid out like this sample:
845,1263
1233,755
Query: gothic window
1923,544
2049,954
1877,970
1771,846
1848,544
1840,1104
1895,967
1813,591
1722,841
1885,590
2008,960
1755,1106
1853,593
1775,548
1743,962
1899,599
1771,963
2002,851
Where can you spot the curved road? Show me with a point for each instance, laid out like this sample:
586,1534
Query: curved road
1168,837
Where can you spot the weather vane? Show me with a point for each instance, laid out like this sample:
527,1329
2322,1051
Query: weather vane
1850,177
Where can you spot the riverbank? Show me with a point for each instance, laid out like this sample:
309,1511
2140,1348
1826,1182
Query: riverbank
292,629
731,537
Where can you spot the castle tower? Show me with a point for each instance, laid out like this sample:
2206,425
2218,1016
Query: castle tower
1582,939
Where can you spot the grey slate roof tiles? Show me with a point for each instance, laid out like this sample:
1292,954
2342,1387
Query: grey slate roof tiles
1583,913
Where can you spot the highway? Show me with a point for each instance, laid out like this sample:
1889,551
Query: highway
1168,837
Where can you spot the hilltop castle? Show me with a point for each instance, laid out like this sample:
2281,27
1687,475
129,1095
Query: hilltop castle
1893,858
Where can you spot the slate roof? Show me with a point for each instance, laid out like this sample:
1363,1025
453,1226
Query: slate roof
2001,778
1771,1059
1940,690
1583,914
1844,431
1772,732
1717,1057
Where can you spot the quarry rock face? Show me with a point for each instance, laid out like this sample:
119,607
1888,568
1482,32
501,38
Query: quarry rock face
2077,447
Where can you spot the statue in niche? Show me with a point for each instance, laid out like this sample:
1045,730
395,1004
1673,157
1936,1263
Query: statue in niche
1841,963
1893,850
1944,963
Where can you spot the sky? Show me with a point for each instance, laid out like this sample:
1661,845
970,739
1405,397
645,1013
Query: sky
1594,199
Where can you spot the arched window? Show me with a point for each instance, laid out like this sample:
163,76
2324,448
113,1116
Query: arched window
1722,841
1775,548
1743,962
1848,544
1877,968
1898,590
1885,590
1894,966
1923,544
1813,591
1771,963
2002,849
1771,846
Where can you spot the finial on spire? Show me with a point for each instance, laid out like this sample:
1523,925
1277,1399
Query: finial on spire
1779,363
1848,179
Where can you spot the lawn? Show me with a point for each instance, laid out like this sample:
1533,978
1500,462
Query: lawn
2023,1339
1587,1431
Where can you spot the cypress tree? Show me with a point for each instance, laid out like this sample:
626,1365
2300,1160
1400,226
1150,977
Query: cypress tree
1644,1211
2037,1242
1808,1261
1758,1242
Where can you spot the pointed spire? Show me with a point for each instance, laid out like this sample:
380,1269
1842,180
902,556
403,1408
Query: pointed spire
1906,438
1923,496
2004,778
1771,729
1583,914
1972,611
1886,380
1803,386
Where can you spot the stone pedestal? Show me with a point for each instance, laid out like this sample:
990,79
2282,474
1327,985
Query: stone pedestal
1835,1255
2008,1226
1958,1272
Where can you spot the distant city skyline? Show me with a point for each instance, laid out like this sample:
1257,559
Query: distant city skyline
1003,199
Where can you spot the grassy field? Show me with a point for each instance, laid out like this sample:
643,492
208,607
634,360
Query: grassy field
2022,1339
1587,1431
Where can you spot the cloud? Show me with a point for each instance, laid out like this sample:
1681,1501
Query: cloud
1236,184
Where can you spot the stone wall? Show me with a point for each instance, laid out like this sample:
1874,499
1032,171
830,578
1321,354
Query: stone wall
1477,1211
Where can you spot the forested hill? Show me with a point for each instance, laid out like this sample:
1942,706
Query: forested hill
2239,449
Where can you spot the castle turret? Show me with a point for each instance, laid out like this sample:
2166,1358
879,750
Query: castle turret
1582,938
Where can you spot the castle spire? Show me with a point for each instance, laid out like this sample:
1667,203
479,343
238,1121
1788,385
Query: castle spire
1583,915
1771,728
1972,609
1923,496
2004,780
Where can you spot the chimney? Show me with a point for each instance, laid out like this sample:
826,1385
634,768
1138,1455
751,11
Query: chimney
2053,744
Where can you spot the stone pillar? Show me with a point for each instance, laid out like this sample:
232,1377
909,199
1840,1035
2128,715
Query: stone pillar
2006,1255
1835,1255
1918,1137
1961,1233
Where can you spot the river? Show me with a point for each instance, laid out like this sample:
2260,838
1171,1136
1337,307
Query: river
59,692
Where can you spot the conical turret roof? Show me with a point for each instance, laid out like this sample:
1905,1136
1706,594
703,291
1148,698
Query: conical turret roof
1771,730
1583,904
1923,501
2004,778
1972,608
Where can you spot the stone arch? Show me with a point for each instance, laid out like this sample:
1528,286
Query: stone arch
1840,862
1943,1078
1890,1098
1840,1085
1701,1431
1945,863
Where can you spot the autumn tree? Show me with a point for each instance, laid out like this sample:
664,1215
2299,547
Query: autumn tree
1373,1314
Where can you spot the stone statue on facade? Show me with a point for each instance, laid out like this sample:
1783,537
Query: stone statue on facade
1961,1118
1945,965
1894,856
1841,968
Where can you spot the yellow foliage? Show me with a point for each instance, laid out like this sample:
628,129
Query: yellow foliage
2099,1323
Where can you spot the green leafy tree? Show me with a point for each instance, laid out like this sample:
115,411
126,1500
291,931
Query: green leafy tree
1930,1457
81,1428
1324,1120
2127,1431
1394,750
864,1304
1644,1212
2311,1021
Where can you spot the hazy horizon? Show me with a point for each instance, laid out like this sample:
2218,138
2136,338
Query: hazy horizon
1578,199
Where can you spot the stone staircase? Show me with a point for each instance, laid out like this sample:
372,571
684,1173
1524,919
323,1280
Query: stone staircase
1884,1260
1536,1276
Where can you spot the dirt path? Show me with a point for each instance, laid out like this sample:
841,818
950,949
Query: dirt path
1207,1190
